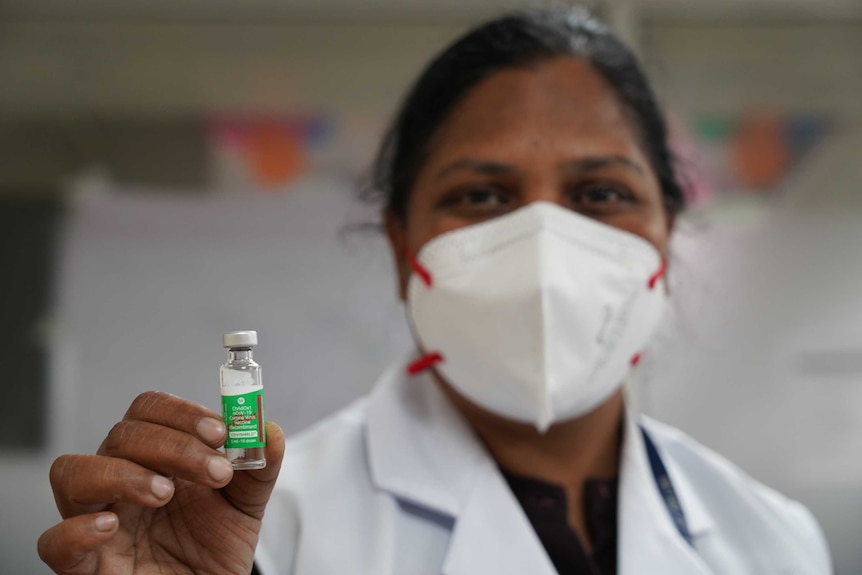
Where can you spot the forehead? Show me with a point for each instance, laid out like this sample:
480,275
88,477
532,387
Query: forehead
562,107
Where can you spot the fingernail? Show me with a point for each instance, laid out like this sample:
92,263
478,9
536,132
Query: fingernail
219,469
162,487
210,429
106,522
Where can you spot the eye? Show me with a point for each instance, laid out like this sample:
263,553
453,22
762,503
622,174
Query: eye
478,199
601,197
481,197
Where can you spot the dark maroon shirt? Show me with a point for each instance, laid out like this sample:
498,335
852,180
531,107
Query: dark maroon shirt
546,507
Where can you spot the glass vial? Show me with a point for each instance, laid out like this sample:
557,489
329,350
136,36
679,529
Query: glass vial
242,402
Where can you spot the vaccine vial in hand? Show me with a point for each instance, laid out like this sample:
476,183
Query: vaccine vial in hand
242,402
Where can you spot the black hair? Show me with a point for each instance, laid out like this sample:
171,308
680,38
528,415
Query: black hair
518,40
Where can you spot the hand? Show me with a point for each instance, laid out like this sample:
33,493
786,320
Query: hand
159,498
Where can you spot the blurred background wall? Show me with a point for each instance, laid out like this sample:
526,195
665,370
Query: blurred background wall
170,171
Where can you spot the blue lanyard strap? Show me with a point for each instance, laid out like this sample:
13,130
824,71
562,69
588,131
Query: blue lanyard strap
665,487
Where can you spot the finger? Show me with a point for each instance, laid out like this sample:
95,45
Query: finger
178,413
89,483
71,547
168,451
250,490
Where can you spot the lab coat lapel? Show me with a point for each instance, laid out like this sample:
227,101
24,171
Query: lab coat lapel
492,534
419,447
648,539
422,451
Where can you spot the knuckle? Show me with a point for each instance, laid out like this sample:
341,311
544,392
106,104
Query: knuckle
43,547
144,403
116,479
188,449
119,437
47,546
59,548
59,470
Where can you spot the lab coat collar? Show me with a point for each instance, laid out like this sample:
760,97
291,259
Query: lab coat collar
421,450
419,446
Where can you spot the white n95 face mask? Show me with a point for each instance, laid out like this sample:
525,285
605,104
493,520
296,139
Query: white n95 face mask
536,315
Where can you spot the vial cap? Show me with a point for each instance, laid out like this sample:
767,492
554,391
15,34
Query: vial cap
239,339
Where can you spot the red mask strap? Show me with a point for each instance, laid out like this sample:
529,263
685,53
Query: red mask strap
658,274
427,361
420,271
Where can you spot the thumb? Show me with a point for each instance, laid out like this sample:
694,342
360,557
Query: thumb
249,490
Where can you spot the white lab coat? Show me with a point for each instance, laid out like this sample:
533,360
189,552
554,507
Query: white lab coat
397,484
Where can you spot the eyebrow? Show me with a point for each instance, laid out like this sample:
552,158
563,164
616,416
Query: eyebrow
593,163
485,167
491,168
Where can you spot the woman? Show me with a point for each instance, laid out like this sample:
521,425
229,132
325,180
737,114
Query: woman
529,199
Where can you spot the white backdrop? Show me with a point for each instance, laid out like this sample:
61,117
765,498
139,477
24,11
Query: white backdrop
151,282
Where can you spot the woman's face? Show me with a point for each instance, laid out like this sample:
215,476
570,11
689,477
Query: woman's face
554,133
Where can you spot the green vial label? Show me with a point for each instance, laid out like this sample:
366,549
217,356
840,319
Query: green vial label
243,415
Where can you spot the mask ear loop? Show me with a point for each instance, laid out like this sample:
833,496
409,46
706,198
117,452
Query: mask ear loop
430,359
424,362
653,280
417,268
651,284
